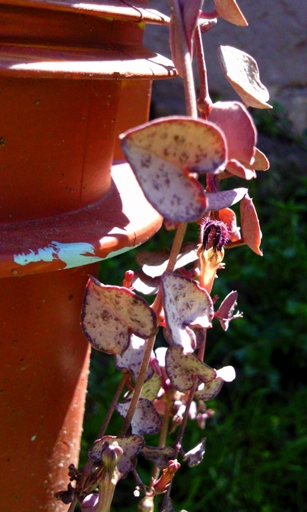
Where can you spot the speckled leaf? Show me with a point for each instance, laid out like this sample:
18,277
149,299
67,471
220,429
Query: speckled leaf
131,446
160,456
145,420
229,10
209,390
163,152
224,199
238,127
185,304
225,313
250,225
132,358
196,455
151,387
111,313
182,369
242,72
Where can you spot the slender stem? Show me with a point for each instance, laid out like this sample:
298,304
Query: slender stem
204,102
73,505
112,406
162,442
185,57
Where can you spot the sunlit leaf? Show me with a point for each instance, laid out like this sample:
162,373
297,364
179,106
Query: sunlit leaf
145,284
131,446
229,10
163,152
151,387
250,225
132,358
160,456
182,369
240,170
229,218
238,127
155,263
259,162
111,313
242,72
209,390
185,304
196,455
145,420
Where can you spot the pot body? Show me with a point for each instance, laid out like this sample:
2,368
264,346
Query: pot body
72,77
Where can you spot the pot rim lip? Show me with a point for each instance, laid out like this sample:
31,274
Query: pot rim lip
84,236
114,62
117,9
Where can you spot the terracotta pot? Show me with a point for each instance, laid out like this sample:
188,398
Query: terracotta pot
72,77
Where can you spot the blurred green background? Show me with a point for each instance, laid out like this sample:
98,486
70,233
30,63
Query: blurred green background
256,448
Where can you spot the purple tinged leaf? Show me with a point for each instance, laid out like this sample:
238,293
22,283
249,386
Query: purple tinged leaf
185,304
155,263
229,10
190,14
132,358
145,284
238,127
225,312
240,170
163,152
224,199
111,313
145,420
131,446
160,456
196,455
182,369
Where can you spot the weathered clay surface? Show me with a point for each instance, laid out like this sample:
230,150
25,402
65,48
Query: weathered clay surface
276,37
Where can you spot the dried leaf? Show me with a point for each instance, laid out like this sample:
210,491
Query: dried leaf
224,199
242,72
250,225
229,10
160,456
111,313
131,446
229,218
132,358
238,127
145,420
163,152
182,369
185,304
196,455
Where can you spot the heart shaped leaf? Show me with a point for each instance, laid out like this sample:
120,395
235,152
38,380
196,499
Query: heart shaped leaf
209,390
163,152
242,72
185,304
238,127
160,456
229,10
250,225
145,420
226,309
182,369
196,455
131,446
132,358
111,313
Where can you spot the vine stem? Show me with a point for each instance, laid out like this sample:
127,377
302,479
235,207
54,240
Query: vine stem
112,406
185,58
156,306
204,102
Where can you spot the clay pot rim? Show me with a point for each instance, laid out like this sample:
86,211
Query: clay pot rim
111,226
116,62
118,9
